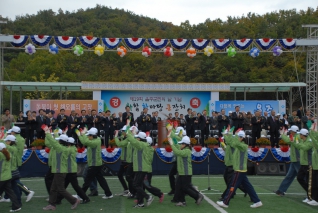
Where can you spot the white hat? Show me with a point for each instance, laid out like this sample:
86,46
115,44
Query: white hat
278,114
133,127
124,128
141,135
92,131
9,131
230,111
241,134
10,138
185,140
16,129
294,128
2,146
60,132
304,132
62,137
70,140
179,128
149,140
184,133
263,136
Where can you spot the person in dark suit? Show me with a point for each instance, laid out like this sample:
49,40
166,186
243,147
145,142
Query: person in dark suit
71,125
189,123
30,126
21,120
154,121
264,119
307,120
145,121
300,112
61,120
237,118
40,120
256,127
294,120
120,122
95,121
223,121
51,121
83,120
273,127
106,125
176,116
214,124
202,127
128,115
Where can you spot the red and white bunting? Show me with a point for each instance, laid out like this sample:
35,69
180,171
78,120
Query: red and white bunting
111,43
157,43
179,43
288,43
65,41
242,44
89,41
134,43
200,43
40,40
265,43
19,40
221,43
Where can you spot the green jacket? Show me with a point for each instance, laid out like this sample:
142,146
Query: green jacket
59,160
314,137
94,156
14,155
294,153
123,146
71,160
5,168
129,151
141,155
52,151
20,145
184,160
305,148
150,157
239,155
229,150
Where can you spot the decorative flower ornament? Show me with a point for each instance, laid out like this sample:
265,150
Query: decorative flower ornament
191,52
146,51
277,51
208,51
30,49
231,52
53,49
99,50
168,51
254,52
121,51
78,50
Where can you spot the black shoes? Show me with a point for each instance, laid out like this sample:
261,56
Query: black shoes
85,201
93,193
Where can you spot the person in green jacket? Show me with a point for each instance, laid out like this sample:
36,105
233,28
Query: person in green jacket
60,170
94,161
314,177
5,178
305,147
240,169
184,167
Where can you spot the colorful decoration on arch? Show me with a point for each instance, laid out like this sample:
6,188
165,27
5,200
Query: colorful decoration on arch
99,50
288,43
146,51
111,156
53,49
200,43
65,41
257,154
42,155
254,52
277,51
40,40
231,52
121,51
168,51
89,41
179,43
134,43
281,154
78,50
157,43
30,49
191,52
200,155
219,153
19,40
208,51
221,43
265,43
26,155
243,43
81,155
111,43
165,155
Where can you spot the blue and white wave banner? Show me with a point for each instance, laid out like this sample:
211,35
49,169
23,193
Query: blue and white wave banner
42,155
81,157
164,155
258,155
200,156
111,157
219,153
279,155
26,155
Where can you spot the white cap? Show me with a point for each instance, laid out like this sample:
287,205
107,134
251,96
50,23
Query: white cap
184,133
278,114
10,138
230,111
92,131
263,136
9,131
149,140
124,128
60,132
2,146
16,129
185,140
241,134
179,128
294,128
134,127
141,135
304,132
70,140
62,137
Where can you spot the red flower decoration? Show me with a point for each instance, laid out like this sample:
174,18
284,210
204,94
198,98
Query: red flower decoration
197,148
110,150
256,149
80,150
47,150
284,149
168,149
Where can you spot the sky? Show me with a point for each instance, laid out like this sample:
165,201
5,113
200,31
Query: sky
175,11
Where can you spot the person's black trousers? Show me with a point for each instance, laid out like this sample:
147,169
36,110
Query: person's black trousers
120,174
184,187
130,175
172,179
138,185
49,176
92,172
5,186
302,177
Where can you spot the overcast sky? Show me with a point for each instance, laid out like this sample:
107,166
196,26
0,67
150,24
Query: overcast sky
175,11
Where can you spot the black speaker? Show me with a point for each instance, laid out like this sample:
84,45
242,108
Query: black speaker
270,168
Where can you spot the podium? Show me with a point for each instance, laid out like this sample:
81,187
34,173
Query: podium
162,132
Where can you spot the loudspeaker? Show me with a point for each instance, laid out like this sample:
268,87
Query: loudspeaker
270,168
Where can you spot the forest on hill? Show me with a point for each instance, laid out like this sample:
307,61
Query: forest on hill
103,21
